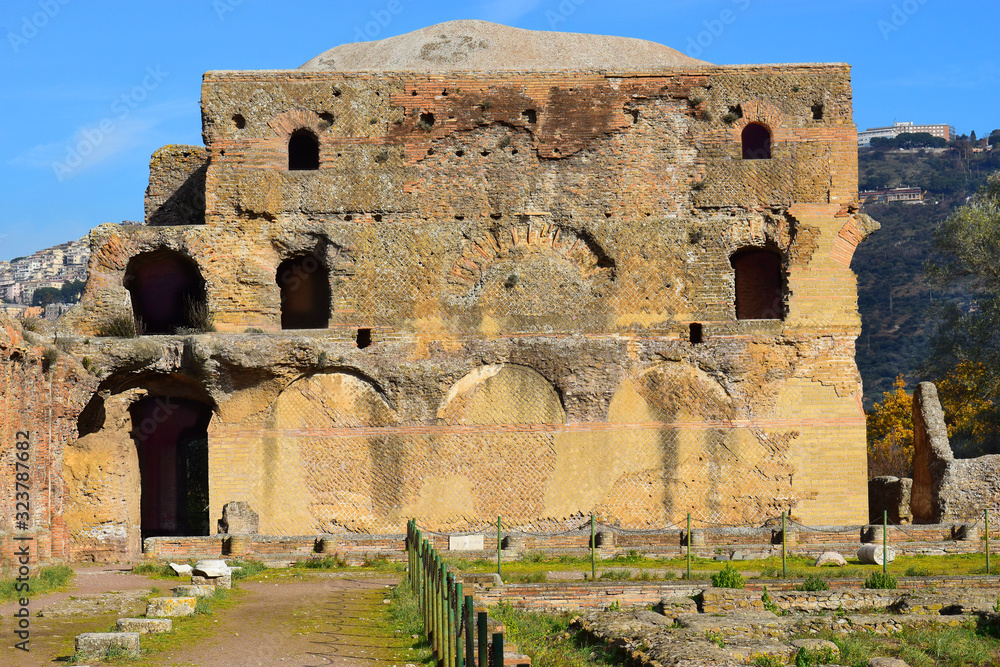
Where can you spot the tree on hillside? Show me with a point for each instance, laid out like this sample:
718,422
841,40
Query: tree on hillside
994,137
890,433
43,296
72,290
965,343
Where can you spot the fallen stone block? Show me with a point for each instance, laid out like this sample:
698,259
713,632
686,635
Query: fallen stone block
225,582
145,626
98,644
886,662
196,591
170,607
211,568
181,570
831,558
819,646
872,554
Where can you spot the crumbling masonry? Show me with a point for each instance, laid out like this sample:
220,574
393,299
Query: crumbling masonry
465,272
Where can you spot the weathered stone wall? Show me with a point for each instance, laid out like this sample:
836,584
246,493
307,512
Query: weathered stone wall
946,488
529,252
42,389
176,191
892,495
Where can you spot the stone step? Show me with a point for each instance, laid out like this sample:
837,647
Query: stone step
193,590
145,626
97,644
170,607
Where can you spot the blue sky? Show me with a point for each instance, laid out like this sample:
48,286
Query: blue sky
123,78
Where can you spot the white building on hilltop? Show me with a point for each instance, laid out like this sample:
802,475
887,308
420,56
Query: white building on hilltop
946,132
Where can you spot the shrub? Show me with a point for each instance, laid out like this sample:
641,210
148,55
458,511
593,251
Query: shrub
49,358
122,326
728,577
879,579
30,324
914,571
730,118
813,583
616,575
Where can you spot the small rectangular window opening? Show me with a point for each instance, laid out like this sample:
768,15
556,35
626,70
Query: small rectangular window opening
364,338
695,333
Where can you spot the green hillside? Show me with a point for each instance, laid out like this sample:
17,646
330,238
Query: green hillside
894,298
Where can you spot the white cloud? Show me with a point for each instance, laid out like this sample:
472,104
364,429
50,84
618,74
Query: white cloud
103,139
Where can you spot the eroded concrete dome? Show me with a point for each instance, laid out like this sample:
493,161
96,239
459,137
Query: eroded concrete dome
481,46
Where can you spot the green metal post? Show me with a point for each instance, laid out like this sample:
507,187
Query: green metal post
689,546
449,635
499,573
457,606
986,516
497,649
483,639
784,565
885,541
470,636
593,566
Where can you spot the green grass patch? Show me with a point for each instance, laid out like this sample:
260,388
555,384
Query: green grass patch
962,646
49,579
405,621
549,640
249,568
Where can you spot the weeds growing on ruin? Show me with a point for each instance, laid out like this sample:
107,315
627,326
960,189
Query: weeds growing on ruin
123,326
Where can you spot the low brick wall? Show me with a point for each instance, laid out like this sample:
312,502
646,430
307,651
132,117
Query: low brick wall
751,543
294,547
848,594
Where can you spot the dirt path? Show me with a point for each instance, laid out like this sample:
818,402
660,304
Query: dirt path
331,619
52,638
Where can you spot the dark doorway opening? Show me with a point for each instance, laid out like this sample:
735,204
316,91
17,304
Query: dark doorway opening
303,151
695,333
305,293
167,292
756,142
171,439
759,284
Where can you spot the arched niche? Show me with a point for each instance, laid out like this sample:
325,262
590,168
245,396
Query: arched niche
303,151
167,292
756,140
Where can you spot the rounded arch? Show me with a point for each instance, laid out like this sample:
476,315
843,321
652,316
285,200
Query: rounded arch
502,394
759,284
167,292
756,139
303,150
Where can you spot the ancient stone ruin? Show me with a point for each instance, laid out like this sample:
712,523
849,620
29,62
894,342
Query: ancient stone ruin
945,488
465,272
